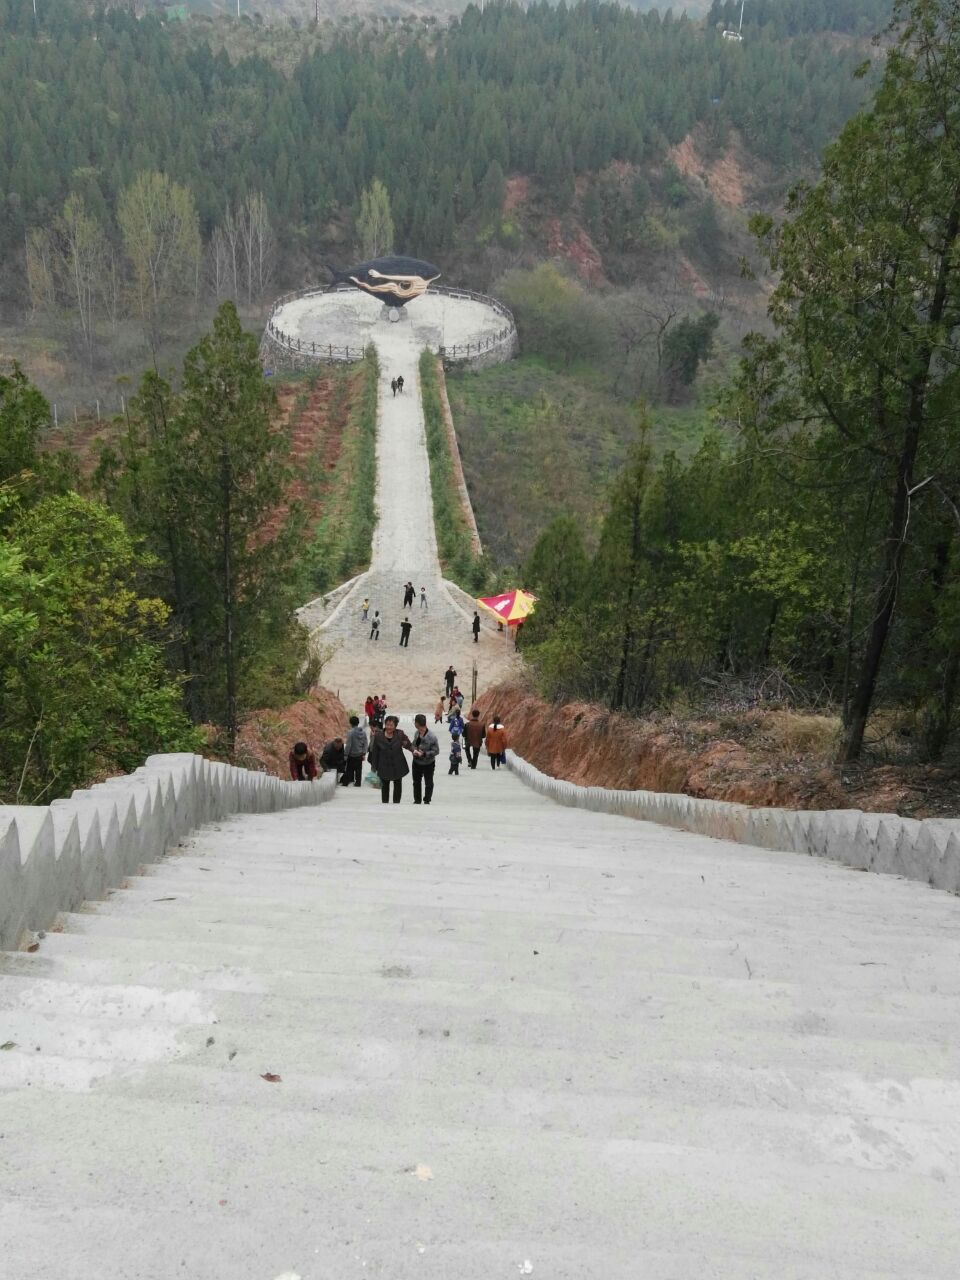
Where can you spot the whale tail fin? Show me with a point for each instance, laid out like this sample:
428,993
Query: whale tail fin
337,274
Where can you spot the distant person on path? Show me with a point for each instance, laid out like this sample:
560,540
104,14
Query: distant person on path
393,386
375,626
476,627
496,743
383,706
408,594
406,626
423,598
365,608
333,756
400,384
456,755
438,712
449,679
426,748
356,749
474,734
303,763
368,709
387,759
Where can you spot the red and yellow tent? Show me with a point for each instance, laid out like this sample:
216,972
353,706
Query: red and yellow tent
511,608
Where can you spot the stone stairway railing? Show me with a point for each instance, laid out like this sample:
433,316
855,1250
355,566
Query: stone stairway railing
53,857
927,850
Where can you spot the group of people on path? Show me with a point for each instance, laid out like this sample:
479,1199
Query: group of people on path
396,384
345,756
410,595
406,626
375,708
386,745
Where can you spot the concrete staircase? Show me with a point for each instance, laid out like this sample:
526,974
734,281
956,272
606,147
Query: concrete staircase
511,1038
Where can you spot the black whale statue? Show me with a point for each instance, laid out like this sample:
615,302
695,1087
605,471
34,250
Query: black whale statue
393,280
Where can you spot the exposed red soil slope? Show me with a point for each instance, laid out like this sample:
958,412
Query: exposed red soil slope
574,245
761,757
266,737
724,176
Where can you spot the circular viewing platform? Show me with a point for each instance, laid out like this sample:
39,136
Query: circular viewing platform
314,326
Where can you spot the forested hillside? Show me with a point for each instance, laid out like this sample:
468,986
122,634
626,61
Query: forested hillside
440,116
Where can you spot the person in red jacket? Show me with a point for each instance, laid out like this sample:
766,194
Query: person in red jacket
303,763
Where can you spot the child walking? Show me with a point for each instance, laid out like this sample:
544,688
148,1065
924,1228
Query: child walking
456,755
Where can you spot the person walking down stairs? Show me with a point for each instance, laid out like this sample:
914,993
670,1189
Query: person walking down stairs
474,734
496,743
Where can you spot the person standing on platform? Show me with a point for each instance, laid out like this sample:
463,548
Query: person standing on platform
426,748
473,735
406,626
476,627
387,759
449,679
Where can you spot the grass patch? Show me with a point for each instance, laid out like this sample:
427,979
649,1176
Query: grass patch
343,539
454,543
537,443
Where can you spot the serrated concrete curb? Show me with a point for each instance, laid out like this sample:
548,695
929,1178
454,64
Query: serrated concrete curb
53,857
927,850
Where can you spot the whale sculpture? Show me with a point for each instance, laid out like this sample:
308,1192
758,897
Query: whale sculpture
393,280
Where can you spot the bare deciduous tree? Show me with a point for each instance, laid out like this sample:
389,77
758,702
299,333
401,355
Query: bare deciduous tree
161,236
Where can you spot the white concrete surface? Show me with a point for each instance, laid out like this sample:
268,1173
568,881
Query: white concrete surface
355,319
512,1038
54,857
927,850
404,548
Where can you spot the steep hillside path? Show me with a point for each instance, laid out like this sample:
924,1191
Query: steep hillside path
405,547
489,1038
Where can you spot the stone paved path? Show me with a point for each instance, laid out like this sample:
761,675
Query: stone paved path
506,1032
404,548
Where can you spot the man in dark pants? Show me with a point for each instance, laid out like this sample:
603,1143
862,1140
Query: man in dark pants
356,748
405,628
426,748
333,756
476,627
473,734
450,679
387,758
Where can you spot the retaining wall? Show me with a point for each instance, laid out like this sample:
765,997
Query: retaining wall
927,850
454,445
53,857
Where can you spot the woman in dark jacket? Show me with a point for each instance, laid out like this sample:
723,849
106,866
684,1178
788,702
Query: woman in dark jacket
387,758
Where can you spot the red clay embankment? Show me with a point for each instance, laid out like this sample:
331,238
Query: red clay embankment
584,743
266,736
